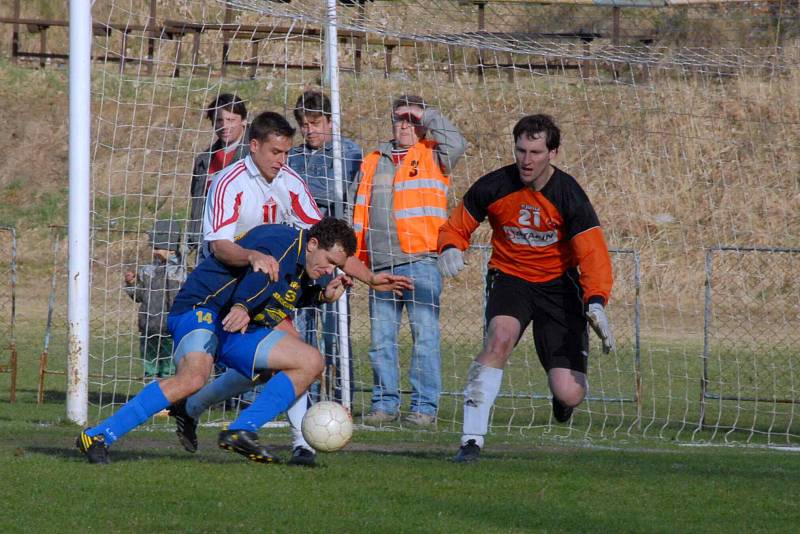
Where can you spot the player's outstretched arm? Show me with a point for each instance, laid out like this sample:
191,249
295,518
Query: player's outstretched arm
391,282
378,282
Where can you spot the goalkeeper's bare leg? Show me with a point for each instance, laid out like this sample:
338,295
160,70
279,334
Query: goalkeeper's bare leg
568,388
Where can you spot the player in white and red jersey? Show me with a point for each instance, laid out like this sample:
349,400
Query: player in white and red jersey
261,189
241,198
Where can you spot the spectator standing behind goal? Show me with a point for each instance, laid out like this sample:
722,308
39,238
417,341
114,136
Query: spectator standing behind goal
154,287
313,161
550,266
400,203
228,116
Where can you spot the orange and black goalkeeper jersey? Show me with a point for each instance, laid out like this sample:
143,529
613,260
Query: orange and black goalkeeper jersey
536,235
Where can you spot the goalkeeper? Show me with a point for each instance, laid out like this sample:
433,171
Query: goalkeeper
550,266
214,308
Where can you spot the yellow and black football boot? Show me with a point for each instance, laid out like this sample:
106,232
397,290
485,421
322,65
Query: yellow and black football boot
94,447
246,443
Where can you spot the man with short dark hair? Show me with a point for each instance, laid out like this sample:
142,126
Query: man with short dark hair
313,161
228,313
259,189
550,266
228,116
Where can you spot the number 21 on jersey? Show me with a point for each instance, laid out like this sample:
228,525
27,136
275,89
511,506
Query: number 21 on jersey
526,213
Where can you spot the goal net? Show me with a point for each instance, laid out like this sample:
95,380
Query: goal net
679,121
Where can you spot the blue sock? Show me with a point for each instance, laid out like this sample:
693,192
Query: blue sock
136,411
276,397
227,385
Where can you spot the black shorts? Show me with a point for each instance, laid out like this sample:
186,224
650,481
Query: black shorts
556,310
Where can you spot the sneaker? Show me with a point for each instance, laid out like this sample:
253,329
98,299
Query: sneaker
186,426
94,447
378,417
303,456
420,419
469,452
561,412
245,443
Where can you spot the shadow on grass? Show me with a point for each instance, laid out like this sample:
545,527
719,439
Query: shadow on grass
136,455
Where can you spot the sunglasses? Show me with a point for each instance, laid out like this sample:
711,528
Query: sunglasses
405,117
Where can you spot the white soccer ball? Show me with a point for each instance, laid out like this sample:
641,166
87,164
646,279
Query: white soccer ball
327,426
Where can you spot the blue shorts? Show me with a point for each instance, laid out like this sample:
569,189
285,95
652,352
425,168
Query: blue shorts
194,331
248,353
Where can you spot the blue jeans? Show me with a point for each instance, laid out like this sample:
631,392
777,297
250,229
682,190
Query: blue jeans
306,323
386,311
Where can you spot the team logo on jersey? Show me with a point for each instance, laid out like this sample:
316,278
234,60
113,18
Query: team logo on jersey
532,238
276,315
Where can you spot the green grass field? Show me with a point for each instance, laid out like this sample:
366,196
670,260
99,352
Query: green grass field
386,482
559,479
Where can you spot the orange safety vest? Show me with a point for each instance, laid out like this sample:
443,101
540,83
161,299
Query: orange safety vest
420,200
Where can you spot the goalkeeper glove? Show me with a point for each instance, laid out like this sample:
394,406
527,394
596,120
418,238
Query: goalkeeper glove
599,323
451,262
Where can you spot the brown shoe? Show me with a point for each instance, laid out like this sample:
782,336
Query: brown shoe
420,419
378,417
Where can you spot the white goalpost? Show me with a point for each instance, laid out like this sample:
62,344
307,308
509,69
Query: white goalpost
80,50
677,120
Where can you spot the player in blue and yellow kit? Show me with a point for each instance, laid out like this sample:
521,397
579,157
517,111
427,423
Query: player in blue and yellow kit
228,312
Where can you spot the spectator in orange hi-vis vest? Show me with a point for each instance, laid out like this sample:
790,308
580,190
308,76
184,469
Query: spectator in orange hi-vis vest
400,203
550,266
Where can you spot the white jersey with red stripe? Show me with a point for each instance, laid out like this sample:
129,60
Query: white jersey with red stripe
240,198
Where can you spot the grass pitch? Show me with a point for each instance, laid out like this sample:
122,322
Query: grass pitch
385,482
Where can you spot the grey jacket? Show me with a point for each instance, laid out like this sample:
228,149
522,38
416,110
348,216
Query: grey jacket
155,290
194,226
382,243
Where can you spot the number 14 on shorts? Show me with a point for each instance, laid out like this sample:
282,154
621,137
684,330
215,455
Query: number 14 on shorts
204,317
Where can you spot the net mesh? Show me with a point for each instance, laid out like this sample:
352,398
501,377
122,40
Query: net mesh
677,121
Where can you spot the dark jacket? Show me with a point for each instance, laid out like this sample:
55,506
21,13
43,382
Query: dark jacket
200,180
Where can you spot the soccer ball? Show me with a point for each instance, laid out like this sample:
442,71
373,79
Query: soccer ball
327,426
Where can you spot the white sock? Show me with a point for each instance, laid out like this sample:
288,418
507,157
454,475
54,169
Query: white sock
295,414
483,385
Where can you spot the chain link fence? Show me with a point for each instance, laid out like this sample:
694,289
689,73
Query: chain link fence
750,350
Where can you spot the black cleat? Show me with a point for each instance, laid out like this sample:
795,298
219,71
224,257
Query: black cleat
561,412
186,426
303,456
246,443
469,452
93,447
